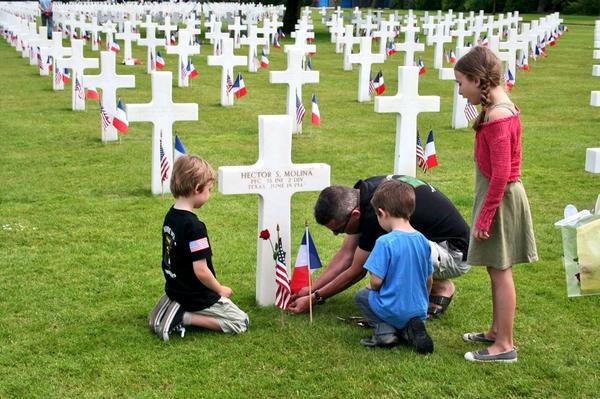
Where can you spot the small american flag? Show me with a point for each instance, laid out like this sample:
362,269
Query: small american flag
57,77
183,71
164,164
282,279
39,59
421,160
300,110
229,83
371,87
470,111
106,122
79,89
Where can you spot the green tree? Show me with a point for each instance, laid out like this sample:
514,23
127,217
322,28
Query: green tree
291,15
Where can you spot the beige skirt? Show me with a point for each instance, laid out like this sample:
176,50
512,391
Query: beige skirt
511,234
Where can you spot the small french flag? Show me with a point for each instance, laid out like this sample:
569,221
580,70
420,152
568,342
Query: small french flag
264,61
120,118
179,148
160,62
191,70
66,77
92,93
430,152
315,114
114,46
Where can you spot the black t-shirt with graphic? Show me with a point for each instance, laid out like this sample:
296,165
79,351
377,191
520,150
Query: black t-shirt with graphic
435,216
185,240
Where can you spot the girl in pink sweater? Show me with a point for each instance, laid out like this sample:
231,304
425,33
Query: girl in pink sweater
502,230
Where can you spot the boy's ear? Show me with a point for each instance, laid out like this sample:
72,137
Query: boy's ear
380,212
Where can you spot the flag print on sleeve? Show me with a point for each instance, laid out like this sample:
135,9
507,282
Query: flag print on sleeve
199,244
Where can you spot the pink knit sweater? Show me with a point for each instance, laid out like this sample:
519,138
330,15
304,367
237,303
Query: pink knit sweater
498,155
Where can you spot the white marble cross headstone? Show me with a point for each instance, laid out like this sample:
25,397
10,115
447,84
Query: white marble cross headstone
294,76
56,50
184,49
253,41
95,29
461,32
384,34
512,45
109,28
301,42
227,60
409,46
41,40
459,119
151,42
368,26
192,28
162,112
337,32
237,28
365,58
167,28
439,38
127,36
348,40
494,45
109,82
407,103
273,26
275,178
77,63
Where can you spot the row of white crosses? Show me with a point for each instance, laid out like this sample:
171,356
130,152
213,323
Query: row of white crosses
459,119
595,100
592,155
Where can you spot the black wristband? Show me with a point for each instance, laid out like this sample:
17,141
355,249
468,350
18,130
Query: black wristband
318,298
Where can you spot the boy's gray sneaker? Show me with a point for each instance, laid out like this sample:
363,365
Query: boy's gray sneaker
383,340
172,321
417,336
156,314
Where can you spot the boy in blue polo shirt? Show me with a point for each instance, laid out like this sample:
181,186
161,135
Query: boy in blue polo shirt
396,299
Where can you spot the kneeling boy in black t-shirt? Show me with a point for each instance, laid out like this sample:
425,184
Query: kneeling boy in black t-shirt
193,295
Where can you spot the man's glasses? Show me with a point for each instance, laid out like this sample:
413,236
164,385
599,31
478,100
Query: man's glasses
342,229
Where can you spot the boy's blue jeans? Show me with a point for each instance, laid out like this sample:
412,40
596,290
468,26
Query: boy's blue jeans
362,301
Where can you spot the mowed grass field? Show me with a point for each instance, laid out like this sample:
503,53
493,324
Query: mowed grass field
80,241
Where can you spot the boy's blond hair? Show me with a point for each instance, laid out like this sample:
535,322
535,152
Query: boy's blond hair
190,171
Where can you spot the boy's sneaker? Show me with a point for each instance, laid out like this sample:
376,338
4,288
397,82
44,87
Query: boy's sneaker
418,337
172,321
156,314
383,340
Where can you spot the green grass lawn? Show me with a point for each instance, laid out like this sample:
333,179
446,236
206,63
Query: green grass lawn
80,241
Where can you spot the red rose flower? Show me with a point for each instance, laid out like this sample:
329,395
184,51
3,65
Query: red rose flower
265,235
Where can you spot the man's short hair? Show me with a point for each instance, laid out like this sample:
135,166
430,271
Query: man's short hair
395,197
335,202
190,171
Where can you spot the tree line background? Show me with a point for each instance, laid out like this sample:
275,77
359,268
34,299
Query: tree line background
589,7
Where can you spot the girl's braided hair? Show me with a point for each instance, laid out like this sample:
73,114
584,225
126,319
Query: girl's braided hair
481,63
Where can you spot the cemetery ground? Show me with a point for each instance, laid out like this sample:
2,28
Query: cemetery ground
80,241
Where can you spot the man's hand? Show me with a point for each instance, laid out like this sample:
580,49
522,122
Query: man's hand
300,305
301,293
225,291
